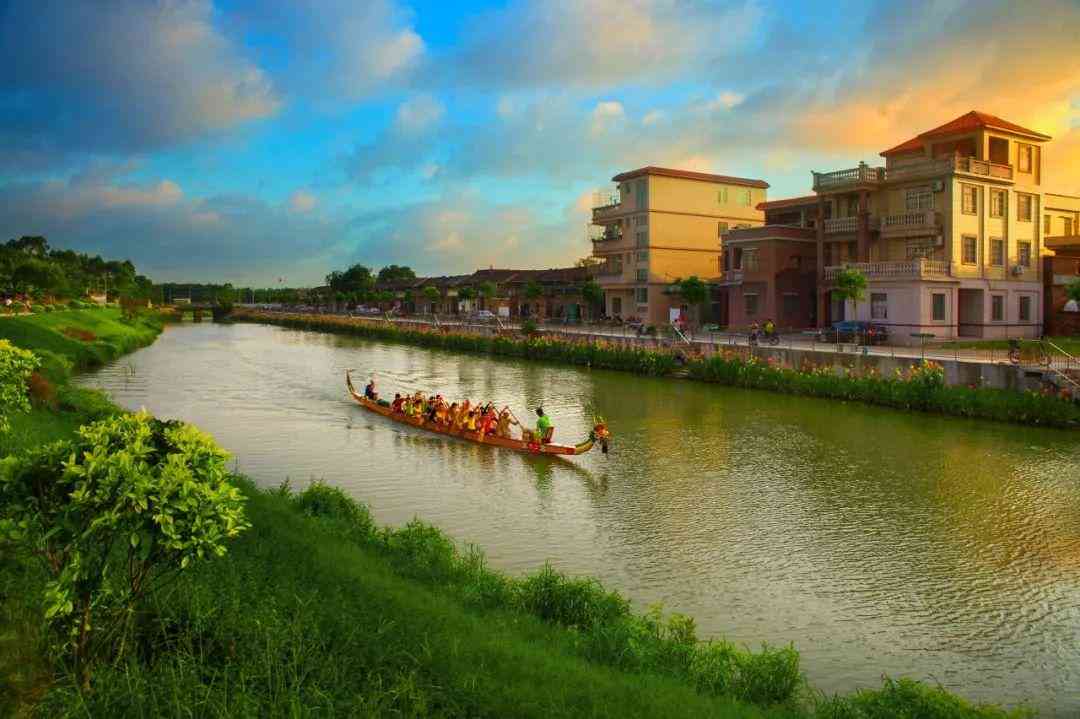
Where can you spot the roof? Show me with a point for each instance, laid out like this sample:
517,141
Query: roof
688,175
788,202
973,120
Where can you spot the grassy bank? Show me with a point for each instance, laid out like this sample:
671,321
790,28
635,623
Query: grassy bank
315,611
919,389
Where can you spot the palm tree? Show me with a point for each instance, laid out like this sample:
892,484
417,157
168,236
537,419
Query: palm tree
432,294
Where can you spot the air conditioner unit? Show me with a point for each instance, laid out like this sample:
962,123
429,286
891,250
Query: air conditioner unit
938,186
1018,269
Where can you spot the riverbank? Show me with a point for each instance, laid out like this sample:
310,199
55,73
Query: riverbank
316,611
917,388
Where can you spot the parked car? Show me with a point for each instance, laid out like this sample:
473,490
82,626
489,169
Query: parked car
484,315
855,331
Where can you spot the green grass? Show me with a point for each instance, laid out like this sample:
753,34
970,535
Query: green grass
1071,345
114,336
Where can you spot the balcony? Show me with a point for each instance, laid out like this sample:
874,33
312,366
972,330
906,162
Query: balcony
871,177
597,233
604,205
918,269
729,278
608,269
850,178
911,224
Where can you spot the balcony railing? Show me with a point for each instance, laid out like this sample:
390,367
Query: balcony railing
605,235
835,225
608,270
867,175
861,175
904,270
911,223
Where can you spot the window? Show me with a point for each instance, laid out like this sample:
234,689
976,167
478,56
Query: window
721,196
642,193
879,306
643,256
616,305
750,259
641,295
999,150
1025,308
938,309
643,275
919,198
1024,252
641,220
970,199
750,303
852,251
791,304
997,308
998,200
642,238
1023,208
736,258
744,197
721,229
1027,153
969,250
997,252
1046,224
1068,225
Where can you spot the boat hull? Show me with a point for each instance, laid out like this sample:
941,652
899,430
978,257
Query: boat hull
517,445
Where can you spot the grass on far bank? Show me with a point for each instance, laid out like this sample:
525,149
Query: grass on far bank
1071,345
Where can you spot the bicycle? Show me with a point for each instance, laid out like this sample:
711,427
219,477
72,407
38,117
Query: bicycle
1042,356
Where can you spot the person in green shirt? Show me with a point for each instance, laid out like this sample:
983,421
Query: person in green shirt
543,424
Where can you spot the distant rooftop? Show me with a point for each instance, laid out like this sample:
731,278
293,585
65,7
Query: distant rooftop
973,120
788,202
688,175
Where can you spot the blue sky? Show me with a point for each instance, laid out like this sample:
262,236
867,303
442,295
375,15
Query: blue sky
243,141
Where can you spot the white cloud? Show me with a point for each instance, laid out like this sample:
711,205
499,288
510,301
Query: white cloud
418,114
302,201
725,101
605,115
653,117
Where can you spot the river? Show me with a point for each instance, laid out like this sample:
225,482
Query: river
877,541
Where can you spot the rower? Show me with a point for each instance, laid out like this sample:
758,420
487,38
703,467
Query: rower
544,429
369,391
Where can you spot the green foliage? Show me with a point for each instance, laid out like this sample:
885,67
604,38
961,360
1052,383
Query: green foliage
486,290
16,366
592,292
114,336
533,290
29,264
122,507
466,293
1072,290
529,328
37,309
396,273
908,699
356,278
850,284
693,290
432,293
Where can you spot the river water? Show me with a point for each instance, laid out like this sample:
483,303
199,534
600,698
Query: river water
877,541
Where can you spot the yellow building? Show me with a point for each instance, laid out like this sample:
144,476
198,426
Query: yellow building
660,225
948,233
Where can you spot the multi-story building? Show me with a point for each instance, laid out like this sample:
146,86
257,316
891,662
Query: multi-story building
947,232
770,272
661,225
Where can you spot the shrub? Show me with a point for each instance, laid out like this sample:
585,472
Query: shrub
580,603
770,676
529,328
16,366
74,304
37,309
111,514
908,698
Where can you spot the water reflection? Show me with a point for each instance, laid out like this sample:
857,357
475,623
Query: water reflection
876,541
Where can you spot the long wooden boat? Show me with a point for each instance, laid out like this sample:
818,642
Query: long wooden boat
598,435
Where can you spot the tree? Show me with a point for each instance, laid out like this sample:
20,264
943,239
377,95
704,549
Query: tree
589,261
486,290
392,273
464,294
533,290
123,507
693,292
16,366
35,245
593,294
39,274
1072,290
850,285
432,294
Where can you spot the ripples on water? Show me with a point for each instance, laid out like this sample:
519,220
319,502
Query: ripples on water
876,541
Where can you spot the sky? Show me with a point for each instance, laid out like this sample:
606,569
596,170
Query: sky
271,141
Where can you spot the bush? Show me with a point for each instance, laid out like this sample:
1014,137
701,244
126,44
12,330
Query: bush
580,603
16,367
529,328
110,515
37,309
908,698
